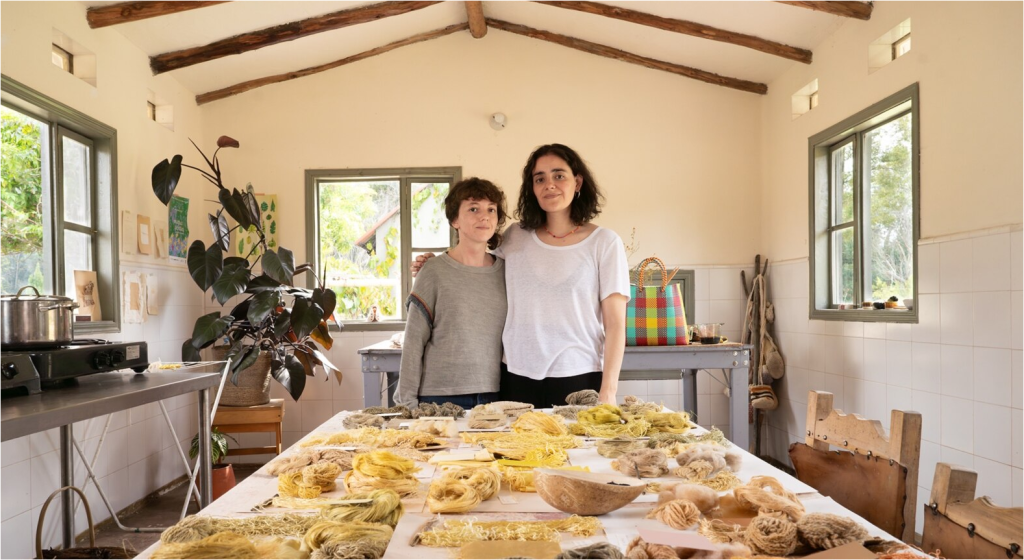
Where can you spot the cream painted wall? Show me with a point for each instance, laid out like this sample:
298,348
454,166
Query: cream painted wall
678,159
967,58
139,453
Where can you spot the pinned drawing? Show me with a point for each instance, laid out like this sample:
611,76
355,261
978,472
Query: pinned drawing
160,238
145,235
87,296
128,232
132,294
177,215
152,295
247,240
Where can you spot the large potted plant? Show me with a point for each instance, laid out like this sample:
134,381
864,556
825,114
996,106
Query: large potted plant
276,318
223,475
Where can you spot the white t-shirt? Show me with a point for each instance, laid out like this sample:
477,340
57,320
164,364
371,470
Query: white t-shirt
554,323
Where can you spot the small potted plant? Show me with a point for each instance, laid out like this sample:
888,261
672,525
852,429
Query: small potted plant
278,323
223,474
892,303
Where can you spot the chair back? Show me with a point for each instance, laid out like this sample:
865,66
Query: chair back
964,527
876,475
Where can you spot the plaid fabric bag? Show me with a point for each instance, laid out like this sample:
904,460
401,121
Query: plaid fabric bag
655,315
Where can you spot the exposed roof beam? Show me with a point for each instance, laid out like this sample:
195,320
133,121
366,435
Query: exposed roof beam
126,12
280,33
858,10
688,28
609,52
475,13
260,82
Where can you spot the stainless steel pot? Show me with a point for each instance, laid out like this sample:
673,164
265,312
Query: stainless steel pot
36,321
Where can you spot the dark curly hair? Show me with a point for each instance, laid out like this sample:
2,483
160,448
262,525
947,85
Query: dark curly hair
479,189
583,209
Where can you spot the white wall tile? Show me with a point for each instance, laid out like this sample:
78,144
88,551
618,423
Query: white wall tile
315,413
701,284
992,376
853,396
834,385
874,330
725,283
1017,485
927,372
930,453
1017,378
853,357
1017,320
957,457
817,326
632,387
1016,436
897,398
992,432
993,481
875,404
15,451
928,268
899,363
958,424
16,487
729,312
874,360
664,387
899,331
928,327
834,355
815,352
702,311
16,541
955,266
958,371
991,263
957,318
992,319
45,476
1016,261
853,328
930,406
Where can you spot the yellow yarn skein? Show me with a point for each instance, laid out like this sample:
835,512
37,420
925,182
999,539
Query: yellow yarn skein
540,422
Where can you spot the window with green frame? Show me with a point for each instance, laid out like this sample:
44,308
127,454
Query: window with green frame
864,208
364,228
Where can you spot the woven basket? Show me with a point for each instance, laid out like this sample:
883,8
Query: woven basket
92,551
253,386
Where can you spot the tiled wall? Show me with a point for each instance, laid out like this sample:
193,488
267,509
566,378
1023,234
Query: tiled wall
960,366
719,298
138,454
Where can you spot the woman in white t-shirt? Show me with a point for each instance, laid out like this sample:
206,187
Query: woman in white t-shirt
567,284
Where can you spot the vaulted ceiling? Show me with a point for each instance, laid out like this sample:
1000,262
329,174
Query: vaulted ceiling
219,49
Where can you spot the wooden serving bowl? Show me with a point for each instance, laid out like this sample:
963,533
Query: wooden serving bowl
586,493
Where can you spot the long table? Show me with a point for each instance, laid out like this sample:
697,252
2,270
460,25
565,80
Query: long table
96,395
619,527
638,362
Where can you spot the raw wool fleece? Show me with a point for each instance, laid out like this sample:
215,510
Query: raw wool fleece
678,514
719,457
822,531
771,536
640,549
647,463
703,497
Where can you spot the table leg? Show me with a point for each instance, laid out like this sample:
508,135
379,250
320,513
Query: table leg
371,388
205,451
392,377
67,478
739,399
690,393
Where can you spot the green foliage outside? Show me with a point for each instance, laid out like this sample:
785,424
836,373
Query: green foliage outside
21,202
891,208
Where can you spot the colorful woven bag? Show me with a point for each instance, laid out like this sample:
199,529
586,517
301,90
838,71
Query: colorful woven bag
655,315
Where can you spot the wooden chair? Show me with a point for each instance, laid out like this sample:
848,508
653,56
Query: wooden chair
248,419
963,527
877,477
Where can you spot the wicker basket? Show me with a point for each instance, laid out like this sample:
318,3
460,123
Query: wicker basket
92,551
253,386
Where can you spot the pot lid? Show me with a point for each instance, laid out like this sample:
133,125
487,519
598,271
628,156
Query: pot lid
32,297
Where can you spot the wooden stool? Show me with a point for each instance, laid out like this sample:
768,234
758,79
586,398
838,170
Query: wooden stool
247,419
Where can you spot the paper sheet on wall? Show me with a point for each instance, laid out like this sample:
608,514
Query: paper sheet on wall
128,230
268,218
152,295
86,294
160,238
177,216
132,297
145,236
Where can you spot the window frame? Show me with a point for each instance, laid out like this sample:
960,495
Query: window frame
406,177
822,209
62,121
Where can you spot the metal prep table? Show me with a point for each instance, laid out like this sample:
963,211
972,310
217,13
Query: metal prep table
639,363
97,395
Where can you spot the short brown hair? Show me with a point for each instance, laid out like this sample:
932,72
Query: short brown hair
584,208
478,189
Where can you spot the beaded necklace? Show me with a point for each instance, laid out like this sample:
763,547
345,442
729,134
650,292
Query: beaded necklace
575,229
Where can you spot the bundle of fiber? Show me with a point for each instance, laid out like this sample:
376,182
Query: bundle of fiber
538,422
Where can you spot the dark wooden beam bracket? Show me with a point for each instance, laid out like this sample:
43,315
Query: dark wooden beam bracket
475,14
280,33
687,28
613,53
126,12
856,10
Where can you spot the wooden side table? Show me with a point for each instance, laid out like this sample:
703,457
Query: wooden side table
247,419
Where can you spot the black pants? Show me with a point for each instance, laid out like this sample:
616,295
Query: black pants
545,393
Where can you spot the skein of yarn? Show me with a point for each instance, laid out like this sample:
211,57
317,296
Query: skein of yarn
539,422
362,420
766,495
586,397
703,497
822,531
647,463
596,550
771,536
385,506
678,514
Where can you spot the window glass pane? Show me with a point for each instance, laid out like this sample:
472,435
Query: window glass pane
77,181
842,181
888,188
77,256
22,194
360,244
429,223
842,271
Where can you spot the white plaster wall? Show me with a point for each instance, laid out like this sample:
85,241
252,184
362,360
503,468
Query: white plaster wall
139,455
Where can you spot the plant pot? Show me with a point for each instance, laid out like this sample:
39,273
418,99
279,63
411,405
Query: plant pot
253,386
223,480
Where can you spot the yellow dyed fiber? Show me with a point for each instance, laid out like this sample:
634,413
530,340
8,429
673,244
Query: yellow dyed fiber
637,406
309,482
374,437
219,545
698,472
517,445
521,480
538,458
455,533
461,490
608,421
663,439
197,527
381,470
347,531
385,507
667,422
532,422
443,428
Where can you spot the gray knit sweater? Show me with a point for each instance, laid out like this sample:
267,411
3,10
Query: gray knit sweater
453,333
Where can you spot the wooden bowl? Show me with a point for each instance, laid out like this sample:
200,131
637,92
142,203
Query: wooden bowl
585,493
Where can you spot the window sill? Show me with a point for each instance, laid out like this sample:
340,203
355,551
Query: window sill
866,315
363,326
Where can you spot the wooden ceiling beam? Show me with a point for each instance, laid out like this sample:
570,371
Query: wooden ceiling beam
613,53
857,10
127,12
260,82
688,28
280,33
475,14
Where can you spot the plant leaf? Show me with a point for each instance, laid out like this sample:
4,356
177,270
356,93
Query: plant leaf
322,335
327,300
290,374
261,305
232,281
209,327
219,227
253,207
235,206
165,178
305,317
262,283
279,265
324,361
236,260
204,265
227,142
189,352
307,361
282,323
249,357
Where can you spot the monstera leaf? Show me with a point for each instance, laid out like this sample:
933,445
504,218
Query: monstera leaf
204,266
290,374
209,328
279,265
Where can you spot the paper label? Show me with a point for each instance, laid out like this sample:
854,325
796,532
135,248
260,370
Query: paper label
507,499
